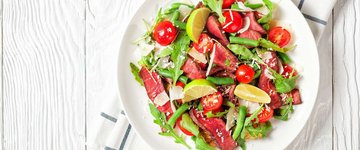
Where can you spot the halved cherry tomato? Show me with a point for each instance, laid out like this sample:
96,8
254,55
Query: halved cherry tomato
213,111
164,33
265,115
288,70
204,45
279,36
233,21
227,3
178,123
245,74
181,84
212,101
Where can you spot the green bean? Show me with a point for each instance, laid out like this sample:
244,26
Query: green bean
220,80
254,6
285,58
180,25
240,122
177,114
268,44
244,41
175,16
168,74
189,125
229,103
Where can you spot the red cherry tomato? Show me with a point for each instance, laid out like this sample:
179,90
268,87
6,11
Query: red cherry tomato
279,36
233,21
227,3
212,101
205,44
288,70
265,115
164,33
244,74
178,123
181,84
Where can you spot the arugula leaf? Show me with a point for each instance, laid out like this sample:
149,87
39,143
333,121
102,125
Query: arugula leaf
148,60
267,18
244,52
174,7
200,143
179,54
260,131
160,119
283,112
217,115
135,71
165,52
282,84
216,6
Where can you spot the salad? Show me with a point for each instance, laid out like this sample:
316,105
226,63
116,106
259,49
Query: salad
217,72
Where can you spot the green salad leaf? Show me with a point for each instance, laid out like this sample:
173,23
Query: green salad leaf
135,71
189,125
283,112
217,115
267,18
216,6
282,84
179,54
260,131
160,119
244,52
200,143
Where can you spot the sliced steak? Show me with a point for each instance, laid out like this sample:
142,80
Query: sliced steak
250,34
295,94
267,85
214,28
216,128
154,86
192,70
225,58
254,25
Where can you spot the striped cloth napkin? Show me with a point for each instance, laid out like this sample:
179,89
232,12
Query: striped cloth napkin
110,130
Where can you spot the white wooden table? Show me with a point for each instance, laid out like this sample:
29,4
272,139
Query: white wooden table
58,64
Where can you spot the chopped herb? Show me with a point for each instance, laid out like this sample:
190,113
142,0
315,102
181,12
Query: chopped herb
227,62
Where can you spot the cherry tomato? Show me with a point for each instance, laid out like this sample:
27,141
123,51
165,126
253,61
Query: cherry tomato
244,74
227,3
288,70
181,84
178,123
279,36
205,44
265,115
164,33
212,101
213,111
233,21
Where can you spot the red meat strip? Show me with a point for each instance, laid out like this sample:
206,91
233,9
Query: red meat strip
193,70
154,86
267,85
214,28
224,58
216,128
254,25
295,94
250,34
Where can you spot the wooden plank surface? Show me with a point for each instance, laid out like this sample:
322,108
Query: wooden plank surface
43,74
317,133
346,102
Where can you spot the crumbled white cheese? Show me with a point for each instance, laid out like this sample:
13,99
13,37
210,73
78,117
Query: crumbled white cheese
161,99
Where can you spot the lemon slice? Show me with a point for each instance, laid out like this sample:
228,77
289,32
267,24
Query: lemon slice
198,88
196,23
251,93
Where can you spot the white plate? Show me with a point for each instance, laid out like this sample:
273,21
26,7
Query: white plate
305,56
